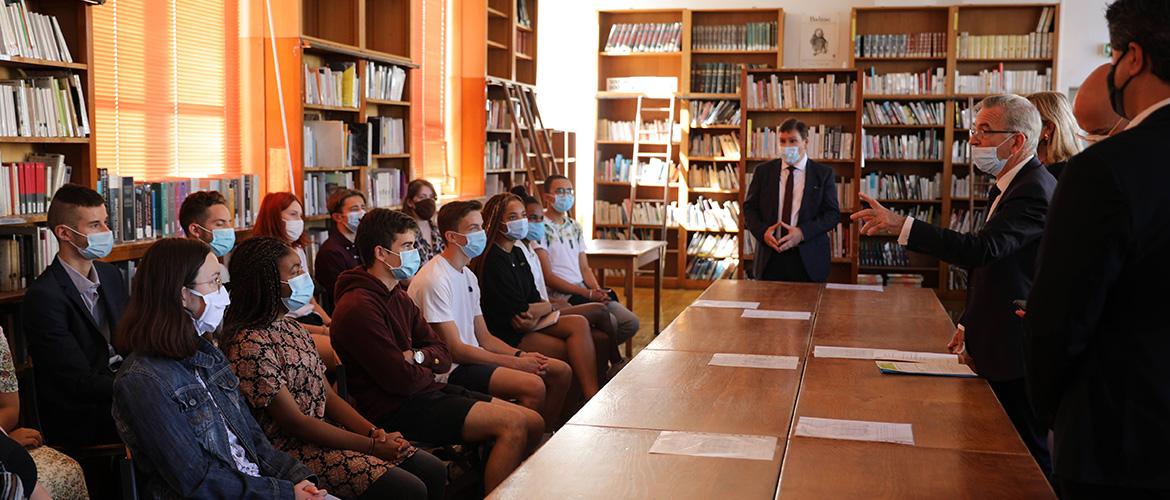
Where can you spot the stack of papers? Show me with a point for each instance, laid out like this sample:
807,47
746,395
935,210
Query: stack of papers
754,361
701,444
726,304
822,351
855,430
857,288
934,368
766,314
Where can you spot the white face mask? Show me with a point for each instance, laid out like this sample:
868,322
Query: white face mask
987,160
214,304
294,228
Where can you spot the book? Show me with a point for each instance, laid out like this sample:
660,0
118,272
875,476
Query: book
721,146
333,85
387,187
824,142
825,92
709,113
717,176
1001,81
387,135
149,209
900,45
384,81
924,83
898,186
615,169
924,145
29,34
728,37
43,105
904,113
644,37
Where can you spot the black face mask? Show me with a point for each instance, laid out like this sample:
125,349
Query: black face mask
1117,94
425,209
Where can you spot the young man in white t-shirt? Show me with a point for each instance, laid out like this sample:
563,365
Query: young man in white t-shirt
448,294
566,268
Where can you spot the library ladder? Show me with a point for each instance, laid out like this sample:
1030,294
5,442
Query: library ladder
534,141
665,156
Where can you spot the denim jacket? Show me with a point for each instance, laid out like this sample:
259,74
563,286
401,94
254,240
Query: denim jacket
177,436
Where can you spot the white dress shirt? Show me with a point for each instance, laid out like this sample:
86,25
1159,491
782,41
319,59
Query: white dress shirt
1147,112
1002,183
797,191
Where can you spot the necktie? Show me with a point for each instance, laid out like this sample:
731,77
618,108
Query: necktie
786,212
993,193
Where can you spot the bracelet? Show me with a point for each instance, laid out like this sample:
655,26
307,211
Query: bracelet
370,433
518,353
373,442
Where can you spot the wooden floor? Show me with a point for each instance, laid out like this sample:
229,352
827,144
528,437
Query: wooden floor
673,303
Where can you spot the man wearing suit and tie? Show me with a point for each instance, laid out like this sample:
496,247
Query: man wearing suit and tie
1001,257
1097,336
70,313
790,207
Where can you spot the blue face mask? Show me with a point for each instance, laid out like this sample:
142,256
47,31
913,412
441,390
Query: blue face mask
98,245
223,240
476,242
563,203
536,231
352,219
409,262
791,155
302,292
517,229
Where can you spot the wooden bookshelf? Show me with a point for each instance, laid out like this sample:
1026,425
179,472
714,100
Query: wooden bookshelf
976,20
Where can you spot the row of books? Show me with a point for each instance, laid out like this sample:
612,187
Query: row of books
715,145
655,131
750,36
923,83
497,117
387,187
334,143
824,142
956,278
654,172
708,113
717,176
27,187
925,213
904,113
610,233
29,34
883,253
845,193
961,187
388,135
968,221
709,215
826,92
924,145
1000,81
899,186
384,82
605,212
25,253
496,156
960,153
1032,45
523,18
712,245
652,213
48,105
332,85
645,37
964,115
319,185
704,268
901,45
144,210
717,78
840,242
524,43
906,280
616,169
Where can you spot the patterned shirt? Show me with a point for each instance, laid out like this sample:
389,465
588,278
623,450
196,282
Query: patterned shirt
564,243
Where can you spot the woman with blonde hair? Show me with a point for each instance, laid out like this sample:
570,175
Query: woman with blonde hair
1058,132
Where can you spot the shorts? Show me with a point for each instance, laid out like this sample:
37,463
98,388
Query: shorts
475,377
434,418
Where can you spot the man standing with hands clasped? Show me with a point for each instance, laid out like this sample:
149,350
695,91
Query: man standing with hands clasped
1001,257
790,207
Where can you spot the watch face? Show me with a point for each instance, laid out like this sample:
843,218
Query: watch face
419,357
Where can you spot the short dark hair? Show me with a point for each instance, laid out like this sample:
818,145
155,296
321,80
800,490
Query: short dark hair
522,192
792,124
379,228
453,212
1142,22
194,208
155,323
338,197
549,180
68,198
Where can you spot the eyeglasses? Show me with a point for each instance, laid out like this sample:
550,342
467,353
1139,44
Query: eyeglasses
217,282
563,191
979,133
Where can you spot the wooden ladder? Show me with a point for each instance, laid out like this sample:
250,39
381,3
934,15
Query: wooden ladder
532,140
667,109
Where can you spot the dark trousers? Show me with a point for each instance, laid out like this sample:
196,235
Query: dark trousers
1072,490
1013,397
786,266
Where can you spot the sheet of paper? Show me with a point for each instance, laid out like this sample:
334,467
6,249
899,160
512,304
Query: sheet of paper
754,361
855,430
822,351
935,368
727,304
701,444
857,288
766,314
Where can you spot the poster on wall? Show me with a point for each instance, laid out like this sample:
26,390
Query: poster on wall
821,40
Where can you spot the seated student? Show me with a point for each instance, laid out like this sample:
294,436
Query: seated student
204,216
18,472
392,356
71,313
60,476
448,294
338,253
514,310
176,401
566,268
604,328
283,379
421,203
280,217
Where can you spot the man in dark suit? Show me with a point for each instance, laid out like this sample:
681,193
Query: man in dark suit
1097,339
790,207
70,315
1001,257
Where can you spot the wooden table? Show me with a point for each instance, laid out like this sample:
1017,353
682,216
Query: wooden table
629,256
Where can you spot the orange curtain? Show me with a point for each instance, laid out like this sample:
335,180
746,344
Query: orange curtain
429,89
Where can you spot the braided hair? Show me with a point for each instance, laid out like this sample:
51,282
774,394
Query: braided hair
493,226
255,289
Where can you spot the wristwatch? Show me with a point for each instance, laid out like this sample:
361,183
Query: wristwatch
419,357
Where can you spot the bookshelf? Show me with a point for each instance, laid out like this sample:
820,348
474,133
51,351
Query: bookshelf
1035,45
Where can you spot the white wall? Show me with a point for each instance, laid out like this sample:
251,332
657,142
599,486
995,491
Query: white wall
567,72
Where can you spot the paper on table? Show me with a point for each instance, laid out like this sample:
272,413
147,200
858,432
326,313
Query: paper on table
855,430
702,444
754,361
822,351
729,304
859,288
936,368
766,314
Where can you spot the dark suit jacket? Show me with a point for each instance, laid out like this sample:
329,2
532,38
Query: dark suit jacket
1001,260
819,213
70,355
1097,338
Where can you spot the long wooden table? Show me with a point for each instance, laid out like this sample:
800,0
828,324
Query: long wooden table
965,445
628,256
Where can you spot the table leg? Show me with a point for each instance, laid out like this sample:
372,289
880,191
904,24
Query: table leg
600,272
630,301
658,267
